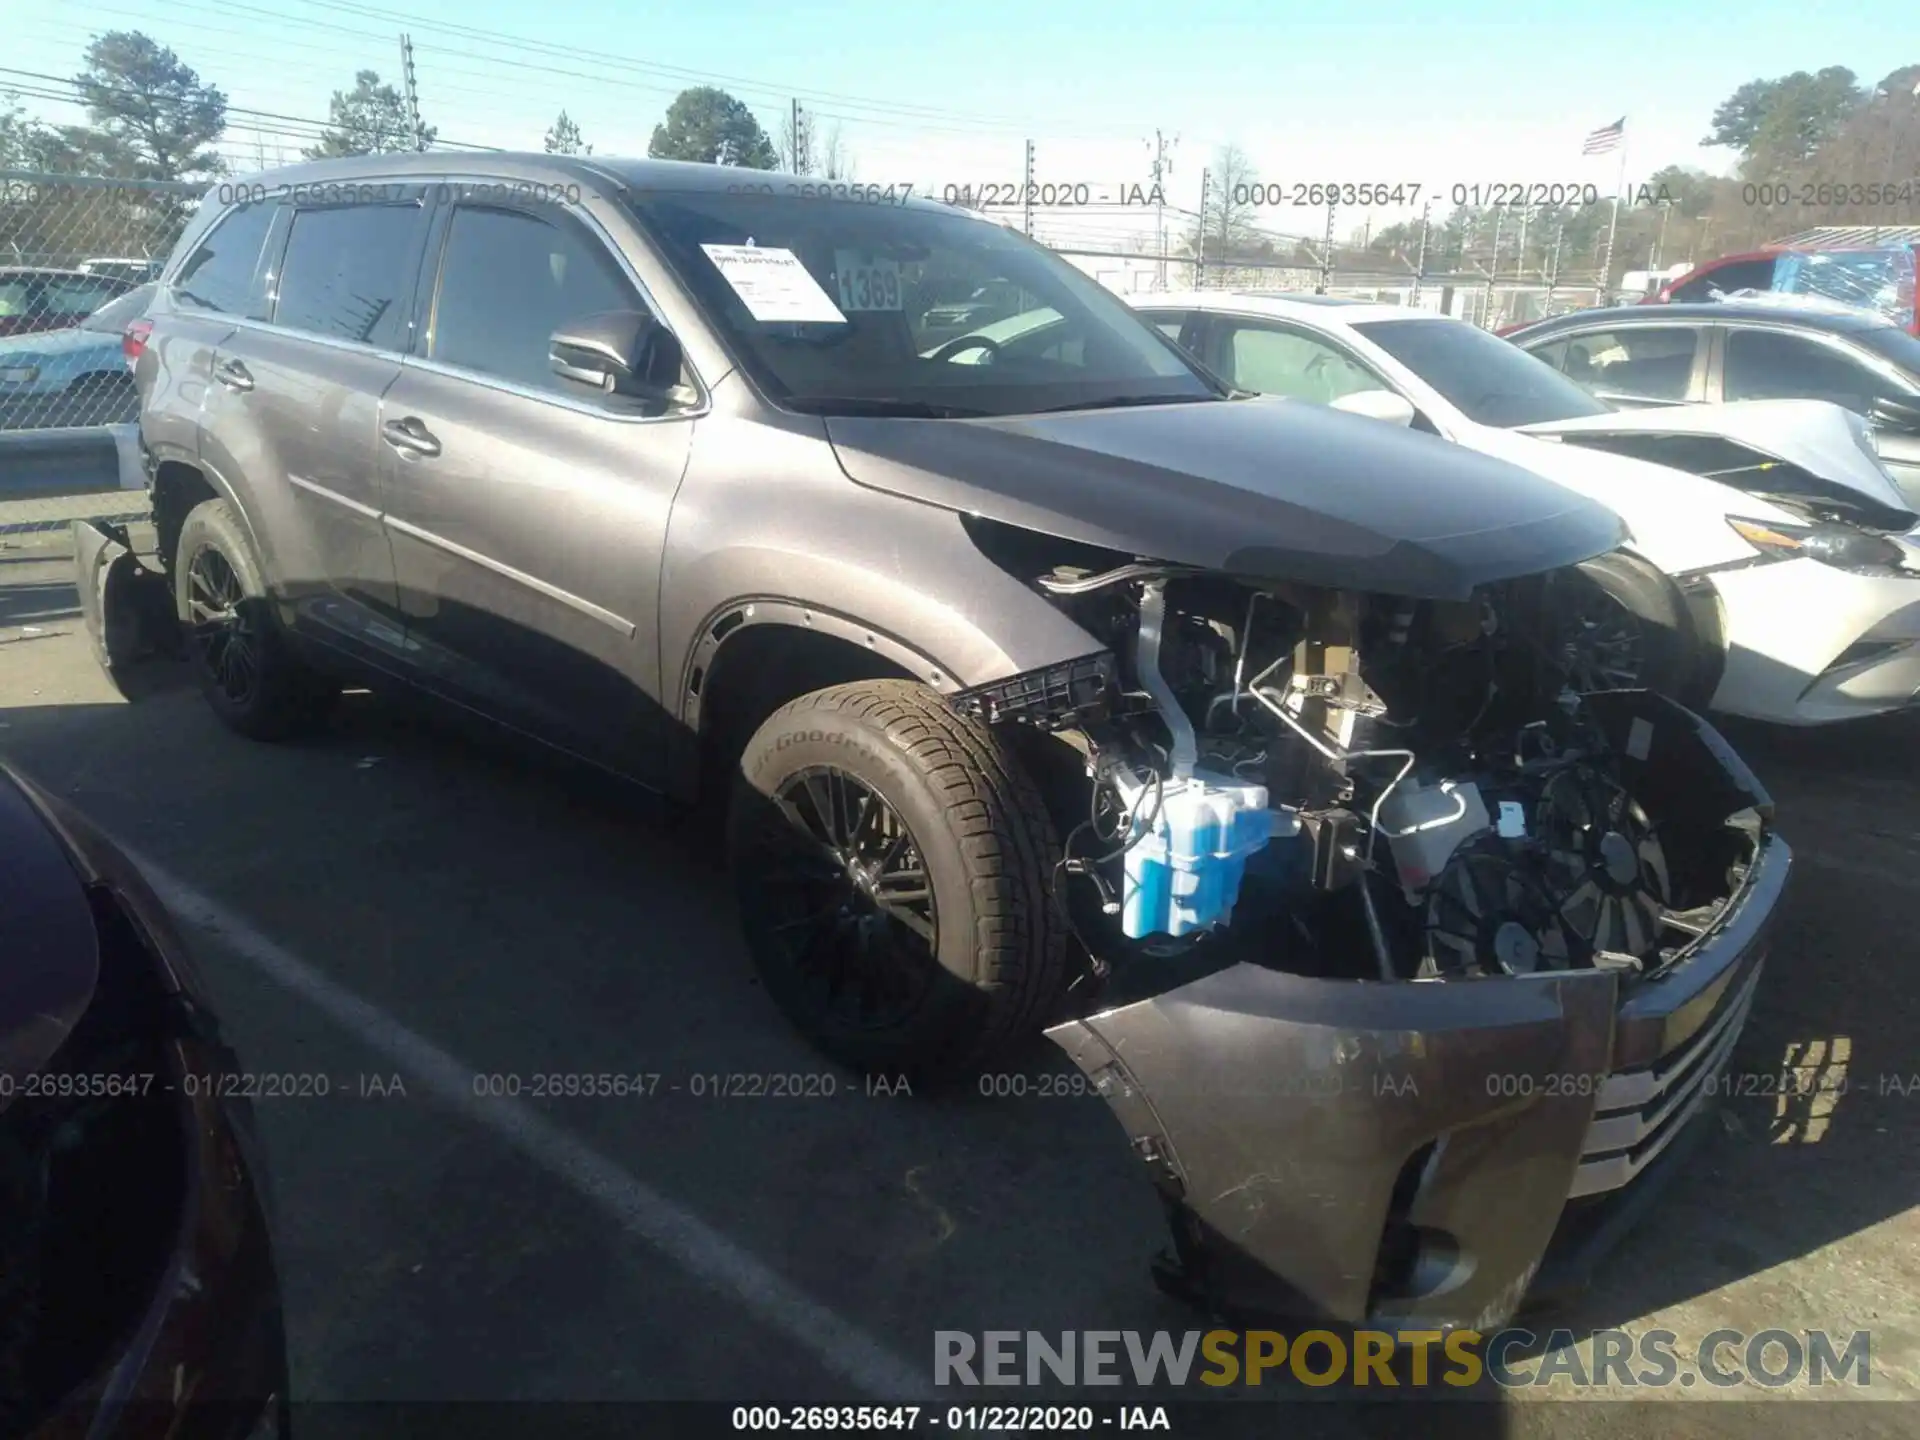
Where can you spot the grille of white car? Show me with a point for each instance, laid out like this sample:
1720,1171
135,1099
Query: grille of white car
1640,1112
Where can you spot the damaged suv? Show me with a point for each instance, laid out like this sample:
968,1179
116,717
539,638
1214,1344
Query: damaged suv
1057,685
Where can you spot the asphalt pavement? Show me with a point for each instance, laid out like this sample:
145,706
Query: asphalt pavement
424,918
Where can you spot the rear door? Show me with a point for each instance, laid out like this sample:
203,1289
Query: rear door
527,514
293,411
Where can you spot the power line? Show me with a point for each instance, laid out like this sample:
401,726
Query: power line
78,98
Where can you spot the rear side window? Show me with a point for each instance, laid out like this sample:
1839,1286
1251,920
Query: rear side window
1639,362
345,273
218,275
508,280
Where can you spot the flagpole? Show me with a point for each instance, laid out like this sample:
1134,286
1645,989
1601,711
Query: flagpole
1603,289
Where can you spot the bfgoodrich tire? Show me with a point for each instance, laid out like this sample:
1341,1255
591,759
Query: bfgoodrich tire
243,663
895,872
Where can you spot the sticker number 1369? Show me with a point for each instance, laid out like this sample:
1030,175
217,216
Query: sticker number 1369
867,283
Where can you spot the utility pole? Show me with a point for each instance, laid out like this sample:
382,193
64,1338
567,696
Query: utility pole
1162,168
1553,265
1420,260
1200,247
1660,240
724,155
413,93
1493,269
799,143
1326,254
1026,194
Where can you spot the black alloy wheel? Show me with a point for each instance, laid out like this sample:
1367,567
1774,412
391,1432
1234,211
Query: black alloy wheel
1601,642
222,631
849,898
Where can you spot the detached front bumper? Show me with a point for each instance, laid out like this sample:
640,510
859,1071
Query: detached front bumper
1404,1154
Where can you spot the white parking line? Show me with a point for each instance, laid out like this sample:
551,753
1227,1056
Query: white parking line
642,1212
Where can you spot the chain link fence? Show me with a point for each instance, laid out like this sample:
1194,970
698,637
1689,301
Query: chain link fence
76,254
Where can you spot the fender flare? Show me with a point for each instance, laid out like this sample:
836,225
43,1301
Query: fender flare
736,616
217,482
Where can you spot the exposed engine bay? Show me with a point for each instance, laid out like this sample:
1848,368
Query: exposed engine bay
1335,775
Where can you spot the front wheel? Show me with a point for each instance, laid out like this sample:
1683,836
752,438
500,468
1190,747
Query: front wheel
895,871
1620,626
246,669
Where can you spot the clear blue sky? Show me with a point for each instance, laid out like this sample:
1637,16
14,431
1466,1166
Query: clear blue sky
1472,91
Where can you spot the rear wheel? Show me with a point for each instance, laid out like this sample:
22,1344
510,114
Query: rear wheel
245,667
1619,626
894,868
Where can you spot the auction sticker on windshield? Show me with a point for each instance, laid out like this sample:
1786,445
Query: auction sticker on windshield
867,281
773,284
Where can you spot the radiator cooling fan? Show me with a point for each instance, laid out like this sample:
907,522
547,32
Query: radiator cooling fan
1605,861
1490,913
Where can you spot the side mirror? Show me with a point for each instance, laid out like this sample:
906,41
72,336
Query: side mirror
1900,416
619,352
1378,405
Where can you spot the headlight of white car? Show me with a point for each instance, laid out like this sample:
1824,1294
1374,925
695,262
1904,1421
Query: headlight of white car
1844,547
19,374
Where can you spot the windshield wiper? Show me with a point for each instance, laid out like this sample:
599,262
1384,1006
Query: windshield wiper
878,406
1120,402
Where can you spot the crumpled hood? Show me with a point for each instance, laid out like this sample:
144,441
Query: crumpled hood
1263,488
1806,450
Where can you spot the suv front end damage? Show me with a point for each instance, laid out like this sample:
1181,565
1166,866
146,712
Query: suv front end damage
1405,1055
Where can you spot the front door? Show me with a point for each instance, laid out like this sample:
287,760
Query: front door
527,514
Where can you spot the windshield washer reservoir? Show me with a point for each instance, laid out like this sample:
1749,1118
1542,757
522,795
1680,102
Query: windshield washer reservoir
1183,874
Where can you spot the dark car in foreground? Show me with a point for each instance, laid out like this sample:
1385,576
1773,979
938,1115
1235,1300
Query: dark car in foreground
1060,687
137,1286
1756,349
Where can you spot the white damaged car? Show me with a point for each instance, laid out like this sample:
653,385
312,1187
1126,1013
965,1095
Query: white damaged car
1772,572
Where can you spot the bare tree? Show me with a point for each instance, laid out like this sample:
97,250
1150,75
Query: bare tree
836,160
1227,223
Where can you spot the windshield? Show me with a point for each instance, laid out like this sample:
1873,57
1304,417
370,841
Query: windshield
1881,281
1489,380
870,307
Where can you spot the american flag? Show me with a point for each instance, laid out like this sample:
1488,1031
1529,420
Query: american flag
1607,137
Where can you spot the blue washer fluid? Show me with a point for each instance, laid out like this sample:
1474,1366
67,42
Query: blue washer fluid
1184,874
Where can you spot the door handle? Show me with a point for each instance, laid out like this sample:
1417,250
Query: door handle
410,437
233,375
